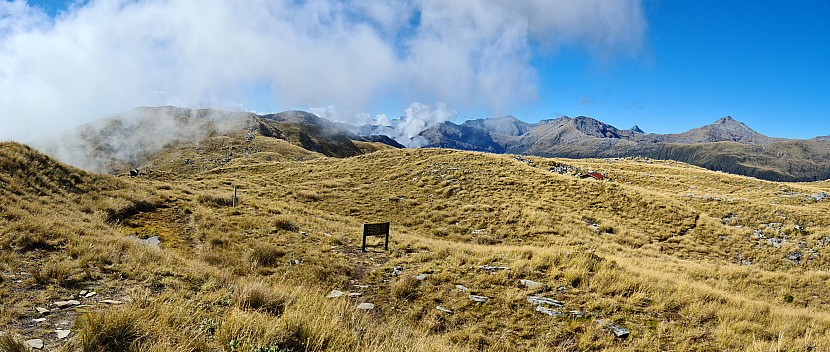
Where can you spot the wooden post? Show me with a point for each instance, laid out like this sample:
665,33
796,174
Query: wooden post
234,197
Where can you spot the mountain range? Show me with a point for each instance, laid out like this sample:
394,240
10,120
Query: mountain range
168,137
725,145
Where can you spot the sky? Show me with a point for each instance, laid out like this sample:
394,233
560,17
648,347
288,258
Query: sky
664,65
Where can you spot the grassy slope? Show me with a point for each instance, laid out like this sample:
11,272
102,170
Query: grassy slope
661,259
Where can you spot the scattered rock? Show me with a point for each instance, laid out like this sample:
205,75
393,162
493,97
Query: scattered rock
479,299
335,294
362,286
619,332
536,300
62,334
355,294
445,310
39,320
562,289
577,313
67,304
112,301
795,257
366,306
420,277
152,241
532,284
397,270
820,196
491,268
462,288
548,311
42,311
293,262
35,343
83,292
90,294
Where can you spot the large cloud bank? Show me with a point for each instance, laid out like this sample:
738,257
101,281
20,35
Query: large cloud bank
102,57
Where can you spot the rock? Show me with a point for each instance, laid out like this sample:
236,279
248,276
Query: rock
293,262
112,301
532,284
492,268
62,334
536,300
577,313
39,320
152,241
2,333
462,288
42,311
397,270
479,299
335,294
366,306
562,289
548,311
795,257
362,286
83,292
90,294
67,304
35,343
445,310
355,294
619,332
420,277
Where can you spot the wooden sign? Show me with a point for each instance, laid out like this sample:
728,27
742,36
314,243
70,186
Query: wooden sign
380,229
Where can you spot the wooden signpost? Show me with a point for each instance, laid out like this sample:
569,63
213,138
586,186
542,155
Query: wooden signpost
381,229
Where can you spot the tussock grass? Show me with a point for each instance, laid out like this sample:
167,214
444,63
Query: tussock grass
637,251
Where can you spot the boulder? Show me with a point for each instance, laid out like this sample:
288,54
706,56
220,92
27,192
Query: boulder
366,306
42,311
618,331
445,310
67,304
479,299
538,301
548,311
532,284
335,294
35,343
62,334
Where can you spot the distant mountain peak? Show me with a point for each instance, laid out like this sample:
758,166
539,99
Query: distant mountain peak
637,129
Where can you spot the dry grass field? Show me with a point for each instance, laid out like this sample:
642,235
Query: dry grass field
683,258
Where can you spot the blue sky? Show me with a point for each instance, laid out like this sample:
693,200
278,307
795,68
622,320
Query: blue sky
666,66
765,63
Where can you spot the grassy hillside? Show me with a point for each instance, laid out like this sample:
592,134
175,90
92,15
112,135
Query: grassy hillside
682,257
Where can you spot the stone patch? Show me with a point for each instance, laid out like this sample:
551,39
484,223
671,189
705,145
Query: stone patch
548,311
67,304
538,301
462,288
532,284
35,343
62,334
335,294
445,310
42,311
420,277
619,332
479,299
366,306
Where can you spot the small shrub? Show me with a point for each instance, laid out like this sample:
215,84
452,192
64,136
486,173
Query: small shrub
265,254
52,272
284,222
115,330
214,200
788,298
405,288
260,297
308,196
10,344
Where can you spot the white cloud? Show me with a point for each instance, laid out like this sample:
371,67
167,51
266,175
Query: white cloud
108,56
